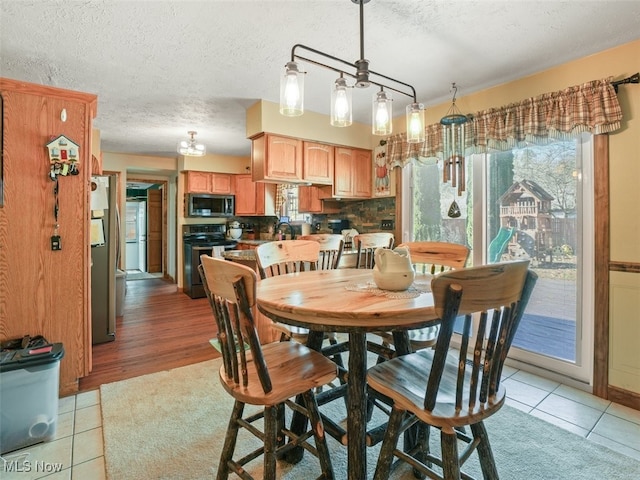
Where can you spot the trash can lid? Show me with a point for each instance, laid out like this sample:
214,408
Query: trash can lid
29,357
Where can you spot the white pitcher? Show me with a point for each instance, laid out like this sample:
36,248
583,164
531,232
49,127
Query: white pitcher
393,269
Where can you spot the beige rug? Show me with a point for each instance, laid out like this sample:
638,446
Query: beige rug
171,425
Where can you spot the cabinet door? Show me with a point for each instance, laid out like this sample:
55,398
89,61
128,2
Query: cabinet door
220,183
308,200
245,192
198,182
283,159
317,163
361,173
342,182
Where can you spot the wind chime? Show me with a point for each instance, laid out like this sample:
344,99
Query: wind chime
453,144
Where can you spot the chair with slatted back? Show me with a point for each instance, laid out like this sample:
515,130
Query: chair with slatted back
267,376
366,244
459,388
287,256
331,246
432,258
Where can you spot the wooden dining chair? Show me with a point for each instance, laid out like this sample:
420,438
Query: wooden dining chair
331,247
267,376
366,244
458,389
287,256
430,258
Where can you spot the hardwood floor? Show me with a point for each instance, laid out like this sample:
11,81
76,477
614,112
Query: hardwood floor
161,329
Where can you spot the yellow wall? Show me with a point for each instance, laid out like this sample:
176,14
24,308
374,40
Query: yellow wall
264,116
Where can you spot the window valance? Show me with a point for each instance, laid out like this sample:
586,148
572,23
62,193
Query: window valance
590,107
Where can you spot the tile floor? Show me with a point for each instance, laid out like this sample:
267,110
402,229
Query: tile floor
78,453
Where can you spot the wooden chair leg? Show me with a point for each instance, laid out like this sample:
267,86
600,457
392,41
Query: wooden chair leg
421,448
450,465
230,441
487,462
383,468
270,440
319,435
281,438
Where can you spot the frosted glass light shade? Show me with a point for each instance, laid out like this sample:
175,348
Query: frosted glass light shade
190,147
341,111
382,114
292,90
415,123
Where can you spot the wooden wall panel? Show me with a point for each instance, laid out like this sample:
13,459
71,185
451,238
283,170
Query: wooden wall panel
43,291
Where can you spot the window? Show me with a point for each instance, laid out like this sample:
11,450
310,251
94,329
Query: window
534,203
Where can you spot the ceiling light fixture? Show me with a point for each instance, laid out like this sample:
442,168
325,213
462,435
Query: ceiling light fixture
292,90
453,144
190,147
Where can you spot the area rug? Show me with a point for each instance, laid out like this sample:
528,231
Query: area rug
171,425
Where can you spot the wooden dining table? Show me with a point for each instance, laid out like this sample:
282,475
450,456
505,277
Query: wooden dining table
347,301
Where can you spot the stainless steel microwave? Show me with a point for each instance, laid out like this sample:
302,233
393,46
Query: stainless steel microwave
206,205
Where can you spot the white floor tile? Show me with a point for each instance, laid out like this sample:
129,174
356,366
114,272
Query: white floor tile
88,418
523,392
91,470
534,380
570,411
619,430
625,413
88,399
87,446
582,397
558,422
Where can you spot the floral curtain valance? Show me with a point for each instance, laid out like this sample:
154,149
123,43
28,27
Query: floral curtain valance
590,107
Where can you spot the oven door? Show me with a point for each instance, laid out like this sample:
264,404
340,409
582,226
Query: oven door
196,251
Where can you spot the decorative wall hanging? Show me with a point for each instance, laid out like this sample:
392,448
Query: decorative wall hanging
64,155
382,171
453,144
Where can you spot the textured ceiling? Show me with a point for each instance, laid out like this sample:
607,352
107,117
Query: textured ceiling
161,68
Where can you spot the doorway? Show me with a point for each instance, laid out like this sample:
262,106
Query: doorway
145,228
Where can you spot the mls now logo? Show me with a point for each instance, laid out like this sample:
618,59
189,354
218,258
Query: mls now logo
22,465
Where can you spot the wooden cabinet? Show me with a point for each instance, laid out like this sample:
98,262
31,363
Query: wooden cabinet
208,182
45,292
253,198
276,159
317,163
352,173
311,199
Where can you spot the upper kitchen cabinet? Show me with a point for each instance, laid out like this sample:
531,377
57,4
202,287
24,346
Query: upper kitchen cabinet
46,291
317,163
352,173
276,159
208,182
311,199
253,198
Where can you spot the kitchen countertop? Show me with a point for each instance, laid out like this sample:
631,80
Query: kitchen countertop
246,255
253,242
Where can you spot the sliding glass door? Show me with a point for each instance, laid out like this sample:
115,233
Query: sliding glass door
532,203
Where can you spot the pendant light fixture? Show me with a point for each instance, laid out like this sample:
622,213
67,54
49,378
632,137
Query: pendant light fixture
453,144
190,147
341,115
382,113
292,89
